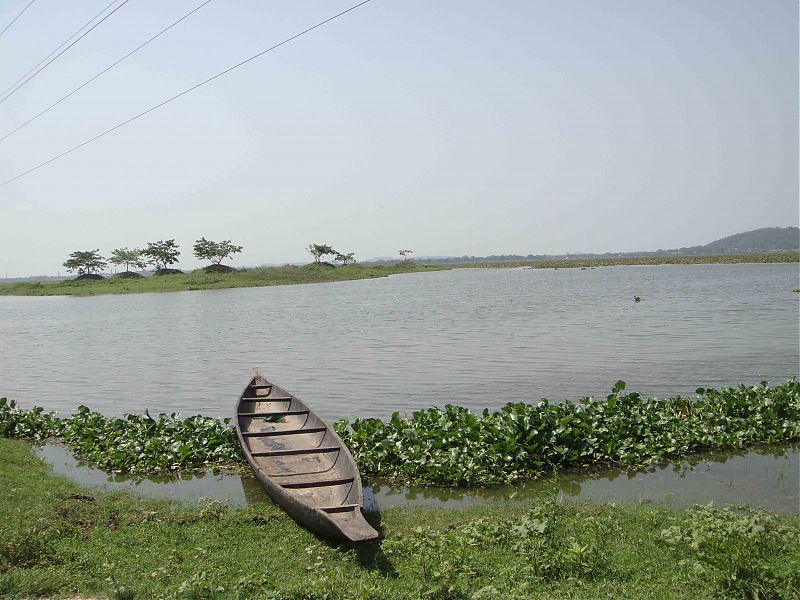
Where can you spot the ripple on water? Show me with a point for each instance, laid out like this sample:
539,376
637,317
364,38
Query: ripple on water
475,337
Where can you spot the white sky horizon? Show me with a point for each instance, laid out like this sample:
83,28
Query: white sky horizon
452,128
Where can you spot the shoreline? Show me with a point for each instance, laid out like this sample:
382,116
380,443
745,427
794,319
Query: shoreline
323,273
676,484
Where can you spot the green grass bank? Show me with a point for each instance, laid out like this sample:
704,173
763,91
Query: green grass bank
199,280
322,273
60,541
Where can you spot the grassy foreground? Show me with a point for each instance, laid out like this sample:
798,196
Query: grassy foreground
323,273
57,541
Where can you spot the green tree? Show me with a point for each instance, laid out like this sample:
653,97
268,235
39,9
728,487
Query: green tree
129,258
320,250
216,252
162,253
85,262
405,253
345,259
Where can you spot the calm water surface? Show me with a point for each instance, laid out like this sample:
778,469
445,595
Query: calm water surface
473,337
766,478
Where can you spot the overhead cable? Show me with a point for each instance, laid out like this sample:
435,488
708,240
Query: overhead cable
108,68
30,75
183,93
17,17
69,39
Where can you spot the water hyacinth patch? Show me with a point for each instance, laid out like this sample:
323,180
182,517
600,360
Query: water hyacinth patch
131,443
453,446
144,443
28,424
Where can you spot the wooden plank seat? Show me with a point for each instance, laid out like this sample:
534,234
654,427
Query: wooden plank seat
274,413
296,451
297,485
283,432
340,508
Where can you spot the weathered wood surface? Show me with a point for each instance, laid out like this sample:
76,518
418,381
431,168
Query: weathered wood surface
301,462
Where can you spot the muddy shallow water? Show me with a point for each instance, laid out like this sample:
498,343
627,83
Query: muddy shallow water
766,478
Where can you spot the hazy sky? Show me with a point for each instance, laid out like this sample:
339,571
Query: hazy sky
448,127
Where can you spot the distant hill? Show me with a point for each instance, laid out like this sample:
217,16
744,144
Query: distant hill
757,241
768,239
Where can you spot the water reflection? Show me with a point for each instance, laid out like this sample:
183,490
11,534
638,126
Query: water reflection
230,488
764,477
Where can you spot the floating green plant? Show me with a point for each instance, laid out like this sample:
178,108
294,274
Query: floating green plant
132,443
451,445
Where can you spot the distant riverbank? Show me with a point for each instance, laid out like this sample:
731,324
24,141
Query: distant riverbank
324,273
584,263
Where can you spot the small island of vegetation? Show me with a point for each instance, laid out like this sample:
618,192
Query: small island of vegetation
161,255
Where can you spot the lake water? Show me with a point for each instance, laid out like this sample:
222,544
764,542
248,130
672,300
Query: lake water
474,337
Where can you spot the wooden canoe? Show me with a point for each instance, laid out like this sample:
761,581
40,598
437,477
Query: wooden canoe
301,462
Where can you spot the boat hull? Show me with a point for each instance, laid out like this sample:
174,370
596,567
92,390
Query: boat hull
301,462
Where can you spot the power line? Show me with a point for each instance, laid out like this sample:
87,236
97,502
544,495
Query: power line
124,2
17,17
8,94
69,39
83,85
183,93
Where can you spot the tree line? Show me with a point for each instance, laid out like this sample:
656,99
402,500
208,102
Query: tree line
160,254
163,253
320,250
